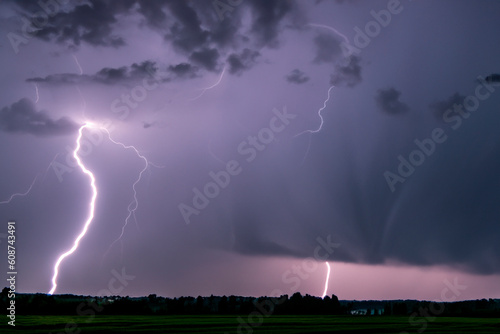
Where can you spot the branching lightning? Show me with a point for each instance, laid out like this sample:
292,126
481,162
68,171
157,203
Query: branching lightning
31,185
134,205
210,87
20,194
327,280
91,209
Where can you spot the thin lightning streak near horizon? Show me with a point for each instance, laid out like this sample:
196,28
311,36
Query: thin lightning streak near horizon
210,87
91,209
327,280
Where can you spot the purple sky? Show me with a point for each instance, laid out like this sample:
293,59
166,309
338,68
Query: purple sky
401,176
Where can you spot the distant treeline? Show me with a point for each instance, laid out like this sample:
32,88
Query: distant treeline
42,304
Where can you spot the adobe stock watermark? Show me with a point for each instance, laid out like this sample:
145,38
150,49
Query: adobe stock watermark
427,146
248,148
35,22
292,277
222,7
89,308
372,29
448,294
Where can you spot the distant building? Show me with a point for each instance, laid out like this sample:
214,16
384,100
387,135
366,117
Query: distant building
361,311
364,311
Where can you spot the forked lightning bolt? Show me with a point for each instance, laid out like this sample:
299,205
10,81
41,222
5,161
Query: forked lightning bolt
327,280
31,186
134,205
91,209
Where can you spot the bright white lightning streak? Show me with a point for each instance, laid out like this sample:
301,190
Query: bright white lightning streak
213,86
91,209
319,114
20,194
327,280
332,29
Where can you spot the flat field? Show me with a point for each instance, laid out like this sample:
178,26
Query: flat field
240,324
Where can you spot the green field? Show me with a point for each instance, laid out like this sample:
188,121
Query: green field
230,324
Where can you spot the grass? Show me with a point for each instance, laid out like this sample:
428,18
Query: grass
240,324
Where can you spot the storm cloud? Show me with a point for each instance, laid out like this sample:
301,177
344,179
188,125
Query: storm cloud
439,108
347,74
22,117
297,76
388,101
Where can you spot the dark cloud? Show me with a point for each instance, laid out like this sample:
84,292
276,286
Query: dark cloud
297,76
388,101
493,78
107,75
90,22
206,58
225,33
59,79
153,13
267,16
22,117
186,33
327,48
347,75
440,107
184,70
243,61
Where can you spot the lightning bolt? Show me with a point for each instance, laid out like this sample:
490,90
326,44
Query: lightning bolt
319,114
210,87
32,184
134,205
327,280
91,208
78,64
331,29
36,93
20,194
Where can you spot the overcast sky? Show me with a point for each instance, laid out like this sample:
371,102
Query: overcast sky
276,135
